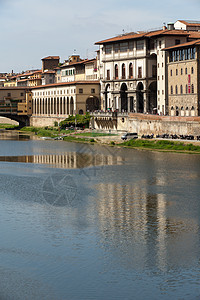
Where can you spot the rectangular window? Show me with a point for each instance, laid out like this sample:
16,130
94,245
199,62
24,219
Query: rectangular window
131,46
139,72
9,94
123,47
92,91
140,45
80,91
21,94
177,42
108,49
116,48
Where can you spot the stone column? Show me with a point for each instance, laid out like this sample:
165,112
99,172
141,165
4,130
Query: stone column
33,106
119,104
145,102
129,105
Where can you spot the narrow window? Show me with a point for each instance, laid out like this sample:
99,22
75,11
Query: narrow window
176,90
192,88
181,89
171,90
139,72
192,70
116,71
108,74
123,71
130,70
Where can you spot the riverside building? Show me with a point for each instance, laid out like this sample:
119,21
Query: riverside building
133,69
183,69
55,102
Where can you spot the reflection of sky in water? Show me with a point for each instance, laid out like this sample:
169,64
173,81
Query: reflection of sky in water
131,231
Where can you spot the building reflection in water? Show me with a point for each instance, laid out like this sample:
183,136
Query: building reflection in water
137,227
70,160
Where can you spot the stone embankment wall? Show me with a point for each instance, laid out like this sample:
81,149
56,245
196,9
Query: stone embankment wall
148,124
44,121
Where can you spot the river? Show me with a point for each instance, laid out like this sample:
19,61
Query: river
83,222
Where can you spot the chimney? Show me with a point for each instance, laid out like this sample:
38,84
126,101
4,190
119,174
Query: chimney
170,26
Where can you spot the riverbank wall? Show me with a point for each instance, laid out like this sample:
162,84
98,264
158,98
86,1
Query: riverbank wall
43,121
145,124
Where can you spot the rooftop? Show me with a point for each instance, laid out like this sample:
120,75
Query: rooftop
148,34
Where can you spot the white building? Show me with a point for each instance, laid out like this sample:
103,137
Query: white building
133,70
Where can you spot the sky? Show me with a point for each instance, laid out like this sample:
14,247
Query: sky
33,29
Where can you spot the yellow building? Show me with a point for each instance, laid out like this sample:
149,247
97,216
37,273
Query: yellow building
183,69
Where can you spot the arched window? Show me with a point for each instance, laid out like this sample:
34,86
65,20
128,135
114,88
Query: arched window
172,108
192,108
181,71
130,70
176,90
123,71
186,89
185,70
192,88
176,71
171,90
116,72
181,89
171,72
192,70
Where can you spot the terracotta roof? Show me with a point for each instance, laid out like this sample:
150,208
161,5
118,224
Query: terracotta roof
15,88
90,60
190,23
21,80
49,72
143,35
64,84
70,64
193,43
51,57
194,34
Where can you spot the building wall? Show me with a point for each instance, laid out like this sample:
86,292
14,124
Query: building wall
180,73
148,124
49,64
62,101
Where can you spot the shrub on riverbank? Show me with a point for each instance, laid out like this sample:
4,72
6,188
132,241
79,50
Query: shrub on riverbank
161,145
81,121
47,131
8,126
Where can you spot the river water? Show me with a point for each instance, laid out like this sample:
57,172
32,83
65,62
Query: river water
82,221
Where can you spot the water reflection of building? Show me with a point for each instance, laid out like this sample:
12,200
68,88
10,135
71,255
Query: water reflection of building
136,226
70,160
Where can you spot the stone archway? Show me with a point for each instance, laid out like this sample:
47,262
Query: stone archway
140,97
124,97
152,98
92,104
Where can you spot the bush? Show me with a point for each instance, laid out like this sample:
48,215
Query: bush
92,140
112,143
55,123
81,121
